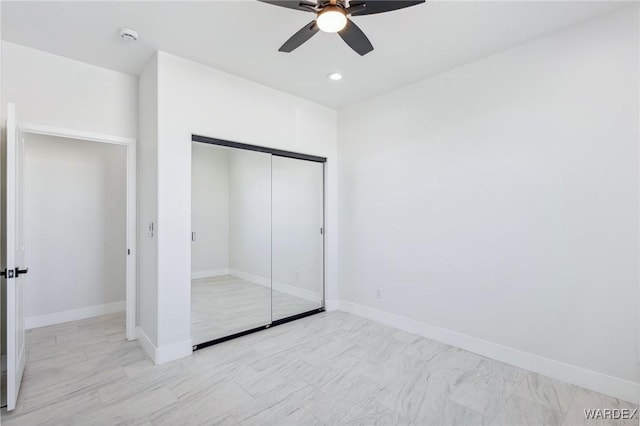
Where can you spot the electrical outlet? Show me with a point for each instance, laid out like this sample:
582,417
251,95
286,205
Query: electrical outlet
379,293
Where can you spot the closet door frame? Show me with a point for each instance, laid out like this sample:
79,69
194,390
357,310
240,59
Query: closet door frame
287,154
272,151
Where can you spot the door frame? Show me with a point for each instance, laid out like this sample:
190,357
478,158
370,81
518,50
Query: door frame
130,240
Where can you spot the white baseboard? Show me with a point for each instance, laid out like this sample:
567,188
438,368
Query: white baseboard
609,385
172,352
332,305
209,273
163,354
291,290
146,344
73,315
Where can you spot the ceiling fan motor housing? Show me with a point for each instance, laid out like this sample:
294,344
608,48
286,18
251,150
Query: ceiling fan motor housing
324,3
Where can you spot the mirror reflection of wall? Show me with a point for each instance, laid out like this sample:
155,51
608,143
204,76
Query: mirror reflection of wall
257,243
297,240
210,211
231,251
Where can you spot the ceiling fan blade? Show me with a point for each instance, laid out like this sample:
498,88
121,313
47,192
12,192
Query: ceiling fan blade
304,5
355,38
300,37
381,6
355,8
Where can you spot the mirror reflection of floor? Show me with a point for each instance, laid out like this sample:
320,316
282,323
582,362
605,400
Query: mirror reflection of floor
225,305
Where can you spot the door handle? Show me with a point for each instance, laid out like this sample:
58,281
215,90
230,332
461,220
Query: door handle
7,273
21,271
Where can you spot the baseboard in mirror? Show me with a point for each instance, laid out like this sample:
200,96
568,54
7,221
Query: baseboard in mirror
252,278
210,273
289,289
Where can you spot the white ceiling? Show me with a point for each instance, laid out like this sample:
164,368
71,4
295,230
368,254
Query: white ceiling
243,37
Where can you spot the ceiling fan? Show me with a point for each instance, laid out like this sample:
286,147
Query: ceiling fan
332,17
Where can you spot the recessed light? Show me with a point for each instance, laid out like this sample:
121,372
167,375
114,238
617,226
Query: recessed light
335,76
127,34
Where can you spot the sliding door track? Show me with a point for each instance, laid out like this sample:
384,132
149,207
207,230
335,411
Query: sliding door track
253,330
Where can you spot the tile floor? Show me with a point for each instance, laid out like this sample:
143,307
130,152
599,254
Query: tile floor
331,368
225,305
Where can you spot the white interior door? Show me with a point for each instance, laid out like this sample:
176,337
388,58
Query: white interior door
15,262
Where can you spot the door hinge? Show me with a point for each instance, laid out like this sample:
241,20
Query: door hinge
321,231
128,251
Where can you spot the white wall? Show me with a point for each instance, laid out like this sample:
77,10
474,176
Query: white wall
210,210
147,207
75,210
500,200
52,90
193,98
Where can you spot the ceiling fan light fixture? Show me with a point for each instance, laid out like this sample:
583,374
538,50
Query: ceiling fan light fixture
331,19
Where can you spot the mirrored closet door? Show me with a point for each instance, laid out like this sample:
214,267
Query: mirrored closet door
297,230
230,241
257,251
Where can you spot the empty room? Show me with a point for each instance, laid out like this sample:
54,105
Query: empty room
330,212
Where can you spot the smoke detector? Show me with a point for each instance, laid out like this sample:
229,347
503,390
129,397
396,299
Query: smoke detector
127,34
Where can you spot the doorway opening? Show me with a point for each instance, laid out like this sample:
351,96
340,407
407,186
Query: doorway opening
86,181
71,223
74,214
